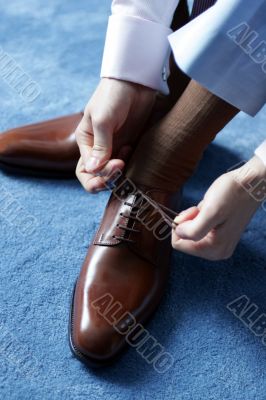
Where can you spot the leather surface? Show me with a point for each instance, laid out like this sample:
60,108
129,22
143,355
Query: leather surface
48,145
130,266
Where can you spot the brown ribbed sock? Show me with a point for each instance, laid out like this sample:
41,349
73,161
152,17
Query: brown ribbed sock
168,154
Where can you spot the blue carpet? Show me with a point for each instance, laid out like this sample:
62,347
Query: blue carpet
59,45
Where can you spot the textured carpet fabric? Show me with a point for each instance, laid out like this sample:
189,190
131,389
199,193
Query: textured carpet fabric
46,227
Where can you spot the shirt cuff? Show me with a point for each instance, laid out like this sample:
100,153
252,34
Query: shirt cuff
137,50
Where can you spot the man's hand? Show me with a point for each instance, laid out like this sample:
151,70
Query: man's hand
212,229
112,121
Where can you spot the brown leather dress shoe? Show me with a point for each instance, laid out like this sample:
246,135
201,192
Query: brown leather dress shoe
124,274
46,148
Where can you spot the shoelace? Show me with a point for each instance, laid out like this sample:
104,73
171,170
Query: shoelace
126,228
159,207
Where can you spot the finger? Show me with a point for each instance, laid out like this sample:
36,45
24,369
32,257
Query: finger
186,215
90,183
102,146
83,176
84,137
206,248
93,183
200,205
196,229
110,167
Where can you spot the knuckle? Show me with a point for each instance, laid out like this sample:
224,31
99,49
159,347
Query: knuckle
80,180
79,133
88,189
87,186
77,172
93,186
216,212
99,147
227,254
78,165
220,213
194,235
100,122
77,130
212,210
222,253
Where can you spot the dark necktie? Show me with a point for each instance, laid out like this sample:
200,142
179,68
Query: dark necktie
199,6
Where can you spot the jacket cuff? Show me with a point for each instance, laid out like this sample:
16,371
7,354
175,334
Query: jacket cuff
137,50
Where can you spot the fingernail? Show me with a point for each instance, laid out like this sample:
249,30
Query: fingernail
179,217
181,213
177,220
92,164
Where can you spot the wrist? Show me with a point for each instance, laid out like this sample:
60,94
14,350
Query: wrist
123,82
252,178
255,168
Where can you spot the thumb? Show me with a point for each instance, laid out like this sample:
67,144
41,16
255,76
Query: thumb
186,215
197,228
102,148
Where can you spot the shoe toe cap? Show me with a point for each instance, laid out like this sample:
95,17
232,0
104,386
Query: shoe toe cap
98,345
